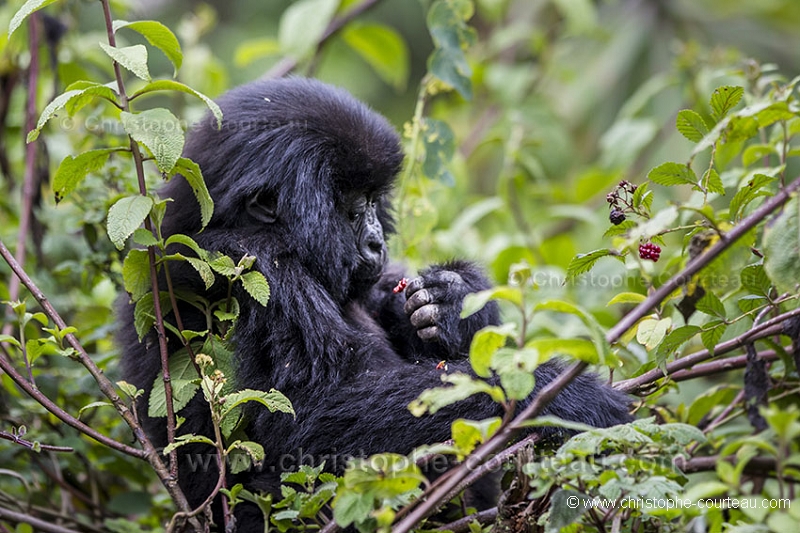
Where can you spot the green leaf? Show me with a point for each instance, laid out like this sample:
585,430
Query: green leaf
171,85
182,440
460,386
25,11
440,145
724,99
711,305
754,189
451,35
142,237
476,301
383,48
303,24
222,264
256,286
272,400
468,434
157,35
72,170
94,405
203,270
125,216
194,177
583,263
650,332
184,379
351,507
133,58
564,509
627,298
254,49
676,338
691,125
755,152
160,131
580,349
484,345
712,333
595,330
136,274
670,174
713,182
50,110
782,249
755,280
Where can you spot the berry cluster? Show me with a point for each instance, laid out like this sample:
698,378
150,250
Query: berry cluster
620,201
648,250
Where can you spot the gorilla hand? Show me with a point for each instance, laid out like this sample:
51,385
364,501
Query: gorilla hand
433,306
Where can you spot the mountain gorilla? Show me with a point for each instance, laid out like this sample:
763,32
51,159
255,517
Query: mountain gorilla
301,174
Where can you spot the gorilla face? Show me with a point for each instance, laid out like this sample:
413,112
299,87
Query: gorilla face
362,213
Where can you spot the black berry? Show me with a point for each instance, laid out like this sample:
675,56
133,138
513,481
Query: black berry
616,216
650,251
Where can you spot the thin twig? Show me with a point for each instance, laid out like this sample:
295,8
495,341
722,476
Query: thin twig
16,439
463,524
38,525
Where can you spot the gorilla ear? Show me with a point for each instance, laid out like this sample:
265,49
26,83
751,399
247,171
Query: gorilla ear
263,206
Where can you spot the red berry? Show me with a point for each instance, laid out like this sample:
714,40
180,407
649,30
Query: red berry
401,286
650,251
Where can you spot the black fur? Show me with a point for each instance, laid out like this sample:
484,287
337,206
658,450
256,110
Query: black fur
341,347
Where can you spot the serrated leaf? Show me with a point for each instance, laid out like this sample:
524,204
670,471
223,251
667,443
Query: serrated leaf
711,305
677,337
222,264
755,188
713,182
89,90
272,400
203,269
475,301
751,302
440,145
133,58
712,333
583,263
256,286
184,379
172,85
157,35
383,48
724,99
125,216
50,110
158,130
194,177
671,174
691,125
580,349
136,273
755,280
458,387
303,24
619,229
72,170
468,434
24,12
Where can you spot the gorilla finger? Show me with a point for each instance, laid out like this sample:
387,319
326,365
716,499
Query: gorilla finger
418,299
428,334
414,285
425,316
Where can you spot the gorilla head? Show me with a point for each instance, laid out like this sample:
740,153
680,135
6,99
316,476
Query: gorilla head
303,167
301,174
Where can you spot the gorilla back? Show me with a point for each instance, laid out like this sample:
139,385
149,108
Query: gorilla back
300,174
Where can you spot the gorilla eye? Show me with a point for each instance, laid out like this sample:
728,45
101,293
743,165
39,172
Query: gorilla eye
358,207
263,206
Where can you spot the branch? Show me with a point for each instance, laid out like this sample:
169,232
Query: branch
288,64
767,329
437,497
718,367
462,525
16,439
38,524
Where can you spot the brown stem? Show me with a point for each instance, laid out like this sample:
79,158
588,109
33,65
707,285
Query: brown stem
151,252
38,524
462,525
16,439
